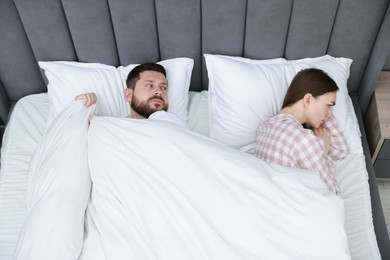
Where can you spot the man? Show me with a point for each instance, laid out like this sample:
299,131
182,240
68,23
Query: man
146,92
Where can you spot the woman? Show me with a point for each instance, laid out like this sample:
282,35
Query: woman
305,134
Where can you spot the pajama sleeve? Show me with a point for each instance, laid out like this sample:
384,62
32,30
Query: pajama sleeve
338,146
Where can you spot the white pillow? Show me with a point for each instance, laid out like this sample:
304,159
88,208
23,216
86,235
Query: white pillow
243,93
68,79
198,112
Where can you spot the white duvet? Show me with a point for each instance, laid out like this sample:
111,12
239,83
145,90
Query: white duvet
160,191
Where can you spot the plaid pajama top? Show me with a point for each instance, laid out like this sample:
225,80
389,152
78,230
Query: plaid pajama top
283,140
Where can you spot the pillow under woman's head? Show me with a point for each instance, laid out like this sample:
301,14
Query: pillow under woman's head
243,93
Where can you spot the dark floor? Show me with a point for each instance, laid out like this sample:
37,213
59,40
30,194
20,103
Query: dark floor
384,191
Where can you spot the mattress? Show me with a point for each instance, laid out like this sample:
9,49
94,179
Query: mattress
25,129
27,125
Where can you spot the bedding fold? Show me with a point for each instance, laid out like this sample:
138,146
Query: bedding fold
58,190
164,192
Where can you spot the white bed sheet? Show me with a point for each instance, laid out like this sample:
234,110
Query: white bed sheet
23,132
26,127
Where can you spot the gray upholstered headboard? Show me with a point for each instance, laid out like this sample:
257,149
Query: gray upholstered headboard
120,32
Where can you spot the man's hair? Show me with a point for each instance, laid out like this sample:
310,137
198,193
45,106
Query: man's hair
313,81
134,74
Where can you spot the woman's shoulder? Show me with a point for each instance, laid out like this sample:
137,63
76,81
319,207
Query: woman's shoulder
283,121
288,124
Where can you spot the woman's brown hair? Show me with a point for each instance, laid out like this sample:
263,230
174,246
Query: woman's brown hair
313,81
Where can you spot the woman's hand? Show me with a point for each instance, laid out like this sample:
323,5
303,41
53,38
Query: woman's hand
323,133
88,98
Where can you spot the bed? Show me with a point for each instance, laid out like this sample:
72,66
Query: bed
216,56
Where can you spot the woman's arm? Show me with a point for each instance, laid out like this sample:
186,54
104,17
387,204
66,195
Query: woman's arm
308,153
338,146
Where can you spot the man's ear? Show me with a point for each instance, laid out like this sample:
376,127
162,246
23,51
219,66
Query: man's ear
307,98
128,94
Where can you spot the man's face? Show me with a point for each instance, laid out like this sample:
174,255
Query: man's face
149,95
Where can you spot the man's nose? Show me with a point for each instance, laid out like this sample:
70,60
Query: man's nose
157,92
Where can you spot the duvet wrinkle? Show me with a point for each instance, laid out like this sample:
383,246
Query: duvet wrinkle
184,196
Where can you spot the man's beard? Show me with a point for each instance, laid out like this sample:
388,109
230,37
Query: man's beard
144,108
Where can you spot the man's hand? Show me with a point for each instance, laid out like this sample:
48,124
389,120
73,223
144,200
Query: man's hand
88,98
324,134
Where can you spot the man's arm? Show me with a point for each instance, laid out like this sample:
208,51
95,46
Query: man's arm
88,98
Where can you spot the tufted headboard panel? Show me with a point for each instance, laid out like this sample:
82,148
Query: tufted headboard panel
120,32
